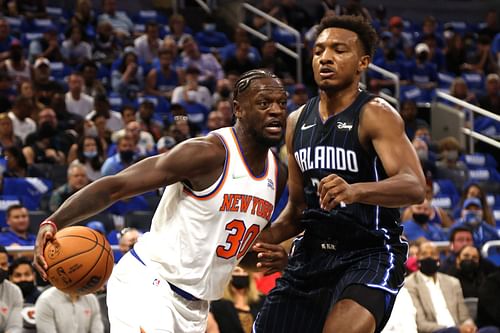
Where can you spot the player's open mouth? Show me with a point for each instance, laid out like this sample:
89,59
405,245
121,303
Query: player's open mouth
326,72
274,127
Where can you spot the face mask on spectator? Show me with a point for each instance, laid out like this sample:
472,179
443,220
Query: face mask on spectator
425,138
473,217
90,154
3,275
451,155
240,282
423,154
127,156
469,267
26,287
428,266
420,218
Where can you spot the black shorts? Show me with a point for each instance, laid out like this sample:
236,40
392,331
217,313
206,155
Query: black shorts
316,278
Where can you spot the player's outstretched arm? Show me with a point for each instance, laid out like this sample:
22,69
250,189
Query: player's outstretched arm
198,161
286,225
382,129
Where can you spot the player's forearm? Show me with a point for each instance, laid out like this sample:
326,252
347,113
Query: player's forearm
87,202
284,227
396,191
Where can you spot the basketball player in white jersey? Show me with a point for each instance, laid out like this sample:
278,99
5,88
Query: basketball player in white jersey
221,191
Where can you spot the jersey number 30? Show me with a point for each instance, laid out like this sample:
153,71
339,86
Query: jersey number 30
239,240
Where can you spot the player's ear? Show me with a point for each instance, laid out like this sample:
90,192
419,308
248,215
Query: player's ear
237,109
364,61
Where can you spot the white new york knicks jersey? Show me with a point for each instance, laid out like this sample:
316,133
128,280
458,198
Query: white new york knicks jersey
197,237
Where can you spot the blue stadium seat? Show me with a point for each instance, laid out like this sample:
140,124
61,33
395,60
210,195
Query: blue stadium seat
487,126
15,24
475,82
446,195
28,37
460,27
116,101
445,80
479,160
144,16
123,207
30,190
484,175
59,70
162,105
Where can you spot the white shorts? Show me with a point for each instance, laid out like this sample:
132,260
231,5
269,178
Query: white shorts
138,299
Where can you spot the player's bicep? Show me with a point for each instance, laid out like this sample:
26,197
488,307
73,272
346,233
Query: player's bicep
386,129
295,180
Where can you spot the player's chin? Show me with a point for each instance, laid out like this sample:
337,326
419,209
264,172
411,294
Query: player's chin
271,139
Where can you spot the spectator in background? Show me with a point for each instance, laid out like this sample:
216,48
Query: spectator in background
491,99
461,236
148,44
22,274
438,297
128,237
162,79
272,61
46,47
57,311
474,190
77,101
142,140
241,61
5,39
436,55
147,121
398,39
429,28
192,91
209,38
114,121
89,153
18,223
426,158
127,79
488,308
422,72
491,27
460,90
17,165
210,69
222,91
177,26
455,54
181,129
84,16
106,45
466,269
121,23
239,307
91,85
75,50
294,15
45,86
225,108
20,116
11,298
423,223
7,136
299,97
16,66
449,166
47,144
97,127
77,179
482,61
472,217
124,157
25,89
72,123
409,114
214,121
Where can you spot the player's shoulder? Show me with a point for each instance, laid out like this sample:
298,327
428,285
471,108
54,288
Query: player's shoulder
293,117
207,148
377,110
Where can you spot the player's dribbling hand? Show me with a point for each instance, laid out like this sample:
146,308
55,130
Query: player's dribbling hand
45,234
271,258
334,190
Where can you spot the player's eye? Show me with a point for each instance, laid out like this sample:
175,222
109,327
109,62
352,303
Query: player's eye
263,104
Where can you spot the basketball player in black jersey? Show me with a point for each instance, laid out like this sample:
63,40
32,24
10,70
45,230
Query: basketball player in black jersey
351,167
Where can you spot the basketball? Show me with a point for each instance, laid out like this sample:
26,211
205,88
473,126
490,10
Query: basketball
80,260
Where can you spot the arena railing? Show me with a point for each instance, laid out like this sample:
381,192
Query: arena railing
272,20
472,109
487,246
391,76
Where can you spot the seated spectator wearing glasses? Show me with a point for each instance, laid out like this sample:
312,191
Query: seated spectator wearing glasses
18,223
77,179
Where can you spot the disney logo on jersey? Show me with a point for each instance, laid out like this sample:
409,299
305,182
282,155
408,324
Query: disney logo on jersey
342,125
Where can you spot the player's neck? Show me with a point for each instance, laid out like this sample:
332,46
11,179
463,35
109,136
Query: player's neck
334,102
255,153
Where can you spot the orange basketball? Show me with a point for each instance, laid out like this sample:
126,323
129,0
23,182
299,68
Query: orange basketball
80,260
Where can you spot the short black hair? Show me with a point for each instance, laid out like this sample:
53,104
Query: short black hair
3,250
12,207
357,24
246,79
18,262
457,230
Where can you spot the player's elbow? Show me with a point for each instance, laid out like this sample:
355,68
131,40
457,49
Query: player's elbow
417,193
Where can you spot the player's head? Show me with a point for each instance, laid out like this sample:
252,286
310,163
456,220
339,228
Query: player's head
260,106
343,49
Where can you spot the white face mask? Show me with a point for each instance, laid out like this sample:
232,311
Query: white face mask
191,95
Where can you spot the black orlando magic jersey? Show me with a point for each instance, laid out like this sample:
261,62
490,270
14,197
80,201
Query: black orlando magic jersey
332,146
